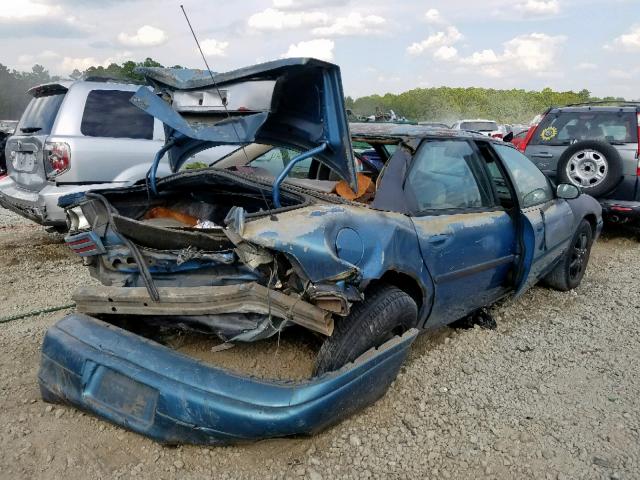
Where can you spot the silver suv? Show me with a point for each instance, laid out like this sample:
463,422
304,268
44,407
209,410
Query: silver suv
594,146
73,137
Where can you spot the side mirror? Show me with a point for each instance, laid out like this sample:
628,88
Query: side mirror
567,191
508,137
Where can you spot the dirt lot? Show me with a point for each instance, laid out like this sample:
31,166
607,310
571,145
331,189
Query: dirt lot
554,392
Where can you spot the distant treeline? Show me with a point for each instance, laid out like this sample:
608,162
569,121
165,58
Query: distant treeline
442,104
445,104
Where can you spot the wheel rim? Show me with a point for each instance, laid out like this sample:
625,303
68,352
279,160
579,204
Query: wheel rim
587,168
579,254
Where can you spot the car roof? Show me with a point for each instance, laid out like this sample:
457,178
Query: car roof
408,130
476,120
593,108
65,85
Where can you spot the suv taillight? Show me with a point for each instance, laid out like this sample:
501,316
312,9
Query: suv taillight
57,157
523,145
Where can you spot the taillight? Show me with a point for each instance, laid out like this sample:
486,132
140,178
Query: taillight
85,244
497,135
57,157
523,145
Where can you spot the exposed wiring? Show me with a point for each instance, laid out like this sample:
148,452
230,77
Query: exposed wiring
34,313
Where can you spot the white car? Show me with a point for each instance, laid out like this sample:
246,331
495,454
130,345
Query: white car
485,127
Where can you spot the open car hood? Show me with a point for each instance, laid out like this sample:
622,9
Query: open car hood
295,102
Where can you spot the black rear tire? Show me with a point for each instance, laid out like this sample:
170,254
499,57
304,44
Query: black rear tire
614,166
385,312
568,274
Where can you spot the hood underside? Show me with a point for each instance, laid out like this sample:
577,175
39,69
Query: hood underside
295,102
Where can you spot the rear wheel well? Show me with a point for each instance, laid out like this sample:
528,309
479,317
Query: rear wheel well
405,283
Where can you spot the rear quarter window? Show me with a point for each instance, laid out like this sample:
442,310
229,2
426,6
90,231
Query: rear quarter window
109,113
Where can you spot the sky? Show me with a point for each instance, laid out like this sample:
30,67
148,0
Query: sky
380,45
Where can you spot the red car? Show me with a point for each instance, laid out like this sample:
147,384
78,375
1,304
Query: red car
519,138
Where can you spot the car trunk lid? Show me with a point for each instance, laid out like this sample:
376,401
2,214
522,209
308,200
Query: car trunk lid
295,102
26,148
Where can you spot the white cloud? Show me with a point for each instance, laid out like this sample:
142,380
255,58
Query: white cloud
586,66
45,55
536,53
484,57
146,36
306,4
321,48
433,16
25,9
539,7
214,48
274,19
629,41
353,24
445,53
619,74
68,64
435,41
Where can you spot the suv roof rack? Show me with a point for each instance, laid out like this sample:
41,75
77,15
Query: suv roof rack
100,78
622,103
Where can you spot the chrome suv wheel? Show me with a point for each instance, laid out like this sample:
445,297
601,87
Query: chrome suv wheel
587,168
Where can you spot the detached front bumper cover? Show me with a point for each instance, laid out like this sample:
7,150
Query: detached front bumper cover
148,388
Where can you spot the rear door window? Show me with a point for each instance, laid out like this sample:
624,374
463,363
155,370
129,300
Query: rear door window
445,175
40,115
109,113
564,128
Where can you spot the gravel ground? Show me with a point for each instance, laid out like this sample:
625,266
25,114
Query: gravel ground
552,393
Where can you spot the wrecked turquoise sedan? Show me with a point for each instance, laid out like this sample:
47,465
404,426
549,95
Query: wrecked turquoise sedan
293,230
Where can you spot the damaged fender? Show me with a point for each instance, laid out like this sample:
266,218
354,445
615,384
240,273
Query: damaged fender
171,398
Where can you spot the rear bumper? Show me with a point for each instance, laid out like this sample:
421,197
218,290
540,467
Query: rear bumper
620,211
152,390
42,207
23,202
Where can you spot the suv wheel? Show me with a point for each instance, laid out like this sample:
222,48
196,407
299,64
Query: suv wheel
594,166
386,311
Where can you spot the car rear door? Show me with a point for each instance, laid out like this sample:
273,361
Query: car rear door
25,149
467,240
547,223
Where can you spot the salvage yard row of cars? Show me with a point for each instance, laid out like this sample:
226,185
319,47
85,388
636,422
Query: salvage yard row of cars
360,235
